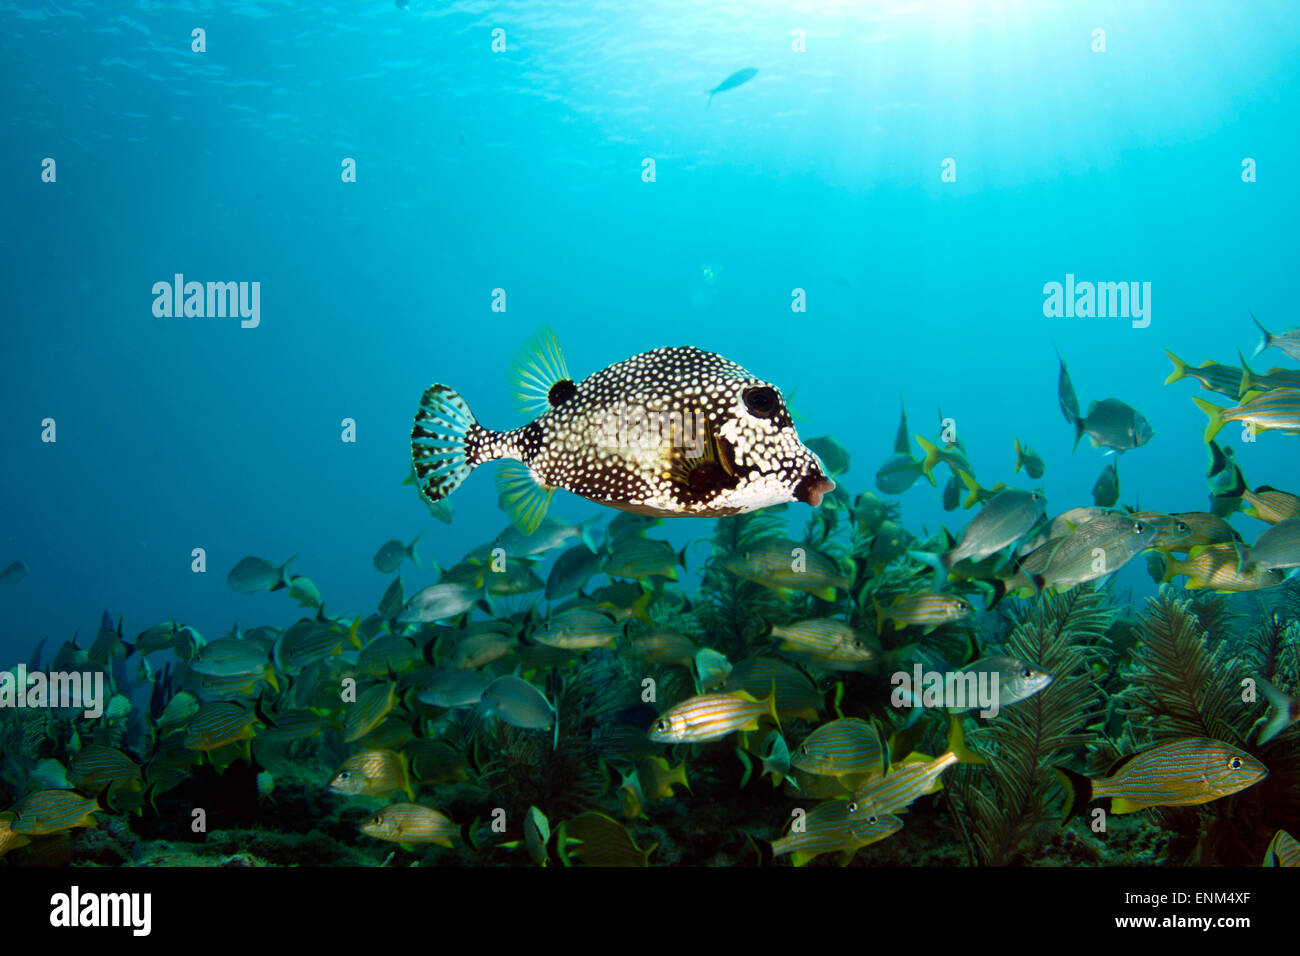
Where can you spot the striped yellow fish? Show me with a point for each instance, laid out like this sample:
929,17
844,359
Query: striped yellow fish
373,773
599,840
1217,567
296,725
577,630
54,811
848,747
409,824
925,609
643,558
1252,381
97,767
660,646
1275,410
9,840
1182,773
1283,850
711,717
787,565
217,724
915,776
832,643
309,642
1224,379
369,711
1271,505
835,826
796,694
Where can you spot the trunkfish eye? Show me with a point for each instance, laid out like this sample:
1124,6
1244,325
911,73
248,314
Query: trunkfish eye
761,401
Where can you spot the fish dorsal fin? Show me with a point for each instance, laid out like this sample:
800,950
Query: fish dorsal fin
522,497
540,375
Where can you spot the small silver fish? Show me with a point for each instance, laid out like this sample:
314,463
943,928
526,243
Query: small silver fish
253,574
392,553
454,687
439,602
518,703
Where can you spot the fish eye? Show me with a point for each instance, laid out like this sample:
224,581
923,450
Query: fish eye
804,750
1137,527
661,726
853,807
342,775
1234,763
761,401
1027,672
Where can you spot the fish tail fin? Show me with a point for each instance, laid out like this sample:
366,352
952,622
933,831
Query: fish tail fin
973,488
413,552
678,775
1078,791
1266,337
1214,413
957,743
521,497
447,443
1079,430
1020,456
770,701
1281,712
1173,568
1248,382
932,457
1180,368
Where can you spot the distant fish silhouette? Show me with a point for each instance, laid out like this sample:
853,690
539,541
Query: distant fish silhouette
733,81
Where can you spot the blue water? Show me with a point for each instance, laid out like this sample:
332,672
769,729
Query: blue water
522,170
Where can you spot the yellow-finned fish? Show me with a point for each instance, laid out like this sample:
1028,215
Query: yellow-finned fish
661,646
54,811
796,694
369,711
915,776
834,644
217,724
373,773
1270,505
658,778
97,767
10,840
1217,567
848,747
925,609
1275,410
1181,773
787,565
410,823
600,840
835,826
577,630
711,717
1283,850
